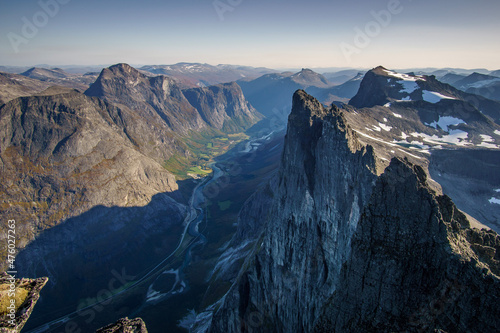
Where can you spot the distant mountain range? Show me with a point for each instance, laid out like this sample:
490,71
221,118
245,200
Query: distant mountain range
387,194
191,75
66,152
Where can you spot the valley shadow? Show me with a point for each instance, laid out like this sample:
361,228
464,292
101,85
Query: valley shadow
470,178
93,255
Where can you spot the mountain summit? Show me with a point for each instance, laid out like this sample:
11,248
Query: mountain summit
347,244
381,86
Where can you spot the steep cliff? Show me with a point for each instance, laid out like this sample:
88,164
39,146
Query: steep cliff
156,98
315,210
223,107
347,244
161,121
62,154
416,265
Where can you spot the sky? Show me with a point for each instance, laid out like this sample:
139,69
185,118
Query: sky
268,33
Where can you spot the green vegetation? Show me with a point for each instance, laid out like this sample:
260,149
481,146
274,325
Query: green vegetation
202,171
203,148
20,297
224,205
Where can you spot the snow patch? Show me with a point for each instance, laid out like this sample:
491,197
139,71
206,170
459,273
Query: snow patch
487,142
397,115
404,77
494,201
487,138
434,97
497,132
375,139
444,122
455,137
385,127
387,105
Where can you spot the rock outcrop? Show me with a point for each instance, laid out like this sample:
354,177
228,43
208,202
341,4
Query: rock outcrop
349,245
223,107
306,238
125,325
26,292
415,265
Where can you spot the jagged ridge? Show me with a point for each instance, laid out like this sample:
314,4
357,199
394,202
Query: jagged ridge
407,242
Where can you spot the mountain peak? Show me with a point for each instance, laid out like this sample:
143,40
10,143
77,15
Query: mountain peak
380,70
305,105
122,68
381,86
308,77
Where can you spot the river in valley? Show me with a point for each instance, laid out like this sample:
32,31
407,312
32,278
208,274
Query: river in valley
173,286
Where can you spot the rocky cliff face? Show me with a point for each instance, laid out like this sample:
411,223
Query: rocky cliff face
415,265
156,99
346,246
63,154
307,238
158,117
125,325
223,107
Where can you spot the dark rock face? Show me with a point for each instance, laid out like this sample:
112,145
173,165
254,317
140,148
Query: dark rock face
314,212
373,90
32,288
415,265
348,247
125,325
223,107
153,110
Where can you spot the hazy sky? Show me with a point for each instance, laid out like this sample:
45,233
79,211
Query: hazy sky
271,33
